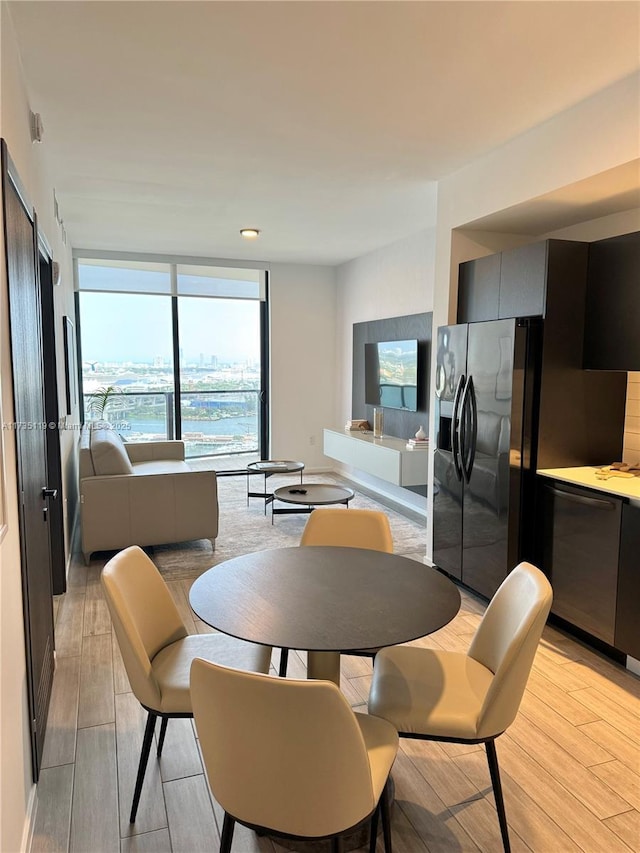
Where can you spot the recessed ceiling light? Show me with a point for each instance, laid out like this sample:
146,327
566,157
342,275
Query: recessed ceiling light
249,233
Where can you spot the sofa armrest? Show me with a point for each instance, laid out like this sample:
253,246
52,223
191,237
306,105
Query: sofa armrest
147,451
147,509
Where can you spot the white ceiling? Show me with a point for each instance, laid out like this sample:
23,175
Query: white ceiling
171,125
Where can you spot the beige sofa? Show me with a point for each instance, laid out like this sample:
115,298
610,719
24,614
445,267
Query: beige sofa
141,493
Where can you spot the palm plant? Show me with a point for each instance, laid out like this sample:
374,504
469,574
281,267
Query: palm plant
99,399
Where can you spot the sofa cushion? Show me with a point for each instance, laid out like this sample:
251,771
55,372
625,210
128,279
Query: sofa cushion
85,463
161,466
108,453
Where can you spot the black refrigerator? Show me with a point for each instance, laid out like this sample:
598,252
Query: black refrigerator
487,379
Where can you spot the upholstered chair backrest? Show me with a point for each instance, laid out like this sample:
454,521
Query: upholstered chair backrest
506,641
353,528
144,615
282,753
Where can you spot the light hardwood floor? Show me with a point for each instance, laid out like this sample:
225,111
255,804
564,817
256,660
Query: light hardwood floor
570,763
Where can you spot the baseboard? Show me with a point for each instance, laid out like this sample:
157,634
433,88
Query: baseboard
30,820
633,665
72,544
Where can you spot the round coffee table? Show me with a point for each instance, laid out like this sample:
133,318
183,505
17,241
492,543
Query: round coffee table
306,497
269,467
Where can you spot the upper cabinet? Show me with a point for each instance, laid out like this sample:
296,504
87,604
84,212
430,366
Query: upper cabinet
479,289
519,282
612,323
549,280
523,280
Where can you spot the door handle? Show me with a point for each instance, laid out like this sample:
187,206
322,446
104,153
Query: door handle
469,408
49,493
596,503
455,429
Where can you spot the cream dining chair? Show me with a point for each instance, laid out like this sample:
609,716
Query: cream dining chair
357,528
157,649
472,697
289,757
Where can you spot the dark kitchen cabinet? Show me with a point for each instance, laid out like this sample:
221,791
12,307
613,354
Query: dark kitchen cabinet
627,636
479,289
580,413
581,544
569,417
612,321
523,280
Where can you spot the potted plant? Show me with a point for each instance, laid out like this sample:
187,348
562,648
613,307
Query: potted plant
98,401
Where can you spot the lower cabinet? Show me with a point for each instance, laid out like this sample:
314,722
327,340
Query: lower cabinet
627,637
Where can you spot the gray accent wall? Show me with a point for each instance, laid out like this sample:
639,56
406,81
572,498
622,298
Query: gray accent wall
398,423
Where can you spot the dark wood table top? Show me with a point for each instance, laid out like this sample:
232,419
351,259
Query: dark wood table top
321,598
318,494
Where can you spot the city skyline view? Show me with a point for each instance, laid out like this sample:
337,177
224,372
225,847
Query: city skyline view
136,328
128,368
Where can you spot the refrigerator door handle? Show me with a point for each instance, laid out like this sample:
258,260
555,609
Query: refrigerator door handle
455,428
441,380
469,408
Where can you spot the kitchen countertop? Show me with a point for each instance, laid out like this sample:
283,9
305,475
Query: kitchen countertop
623,487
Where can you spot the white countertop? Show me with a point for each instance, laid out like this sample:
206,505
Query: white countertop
622,486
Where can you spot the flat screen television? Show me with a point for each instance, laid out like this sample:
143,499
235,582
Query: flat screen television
391,374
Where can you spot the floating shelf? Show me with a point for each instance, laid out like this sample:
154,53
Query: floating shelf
387,458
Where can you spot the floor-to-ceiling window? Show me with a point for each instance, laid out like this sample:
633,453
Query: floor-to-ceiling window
174,350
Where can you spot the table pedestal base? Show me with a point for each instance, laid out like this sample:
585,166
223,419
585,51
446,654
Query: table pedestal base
324,666
352,840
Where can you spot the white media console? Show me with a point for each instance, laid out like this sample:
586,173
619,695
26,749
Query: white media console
387,458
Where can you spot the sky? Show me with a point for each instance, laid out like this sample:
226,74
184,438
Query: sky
130,327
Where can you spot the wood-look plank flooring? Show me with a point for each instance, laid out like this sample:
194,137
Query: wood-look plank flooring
570,763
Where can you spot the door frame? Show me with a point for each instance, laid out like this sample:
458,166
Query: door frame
39,685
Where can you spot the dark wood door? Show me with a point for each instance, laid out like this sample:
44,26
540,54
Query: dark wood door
29,411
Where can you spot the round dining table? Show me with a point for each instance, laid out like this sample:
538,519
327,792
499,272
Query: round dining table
324,599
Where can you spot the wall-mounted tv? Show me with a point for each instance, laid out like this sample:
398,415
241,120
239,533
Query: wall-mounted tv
391,374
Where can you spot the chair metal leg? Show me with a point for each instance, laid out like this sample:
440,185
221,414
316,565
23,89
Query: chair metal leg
226,838
386,818
336,844
492,758
142,766
163,731
373,837
284,660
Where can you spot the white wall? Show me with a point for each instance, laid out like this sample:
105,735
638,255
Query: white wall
16,788
389,282
303,361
